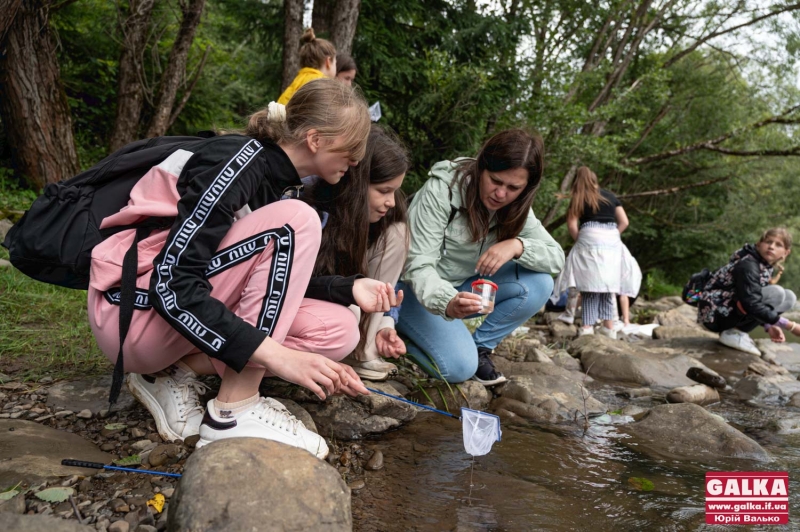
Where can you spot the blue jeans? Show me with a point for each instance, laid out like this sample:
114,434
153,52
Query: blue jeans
446,349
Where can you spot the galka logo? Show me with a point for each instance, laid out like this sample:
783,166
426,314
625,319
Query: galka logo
747,498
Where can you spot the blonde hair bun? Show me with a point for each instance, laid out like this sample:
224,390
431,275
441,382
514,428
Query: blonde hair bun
308,36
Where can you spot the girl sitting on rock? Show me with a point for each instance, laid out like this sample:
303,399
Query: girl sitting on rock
365,234
317,60
226,288
473,219
738,297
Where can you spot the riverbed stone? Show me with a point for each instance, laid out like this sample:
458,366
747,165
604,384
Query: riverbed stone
686,431
699,394
32,452
615,361
351,419
786,425
87,394
566,361
547,397
786,354
680,316
668,332
770,389
40,523
287,489
515,369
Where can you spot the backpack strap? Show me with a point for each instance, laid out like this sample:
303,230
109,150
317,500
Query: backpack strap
128,299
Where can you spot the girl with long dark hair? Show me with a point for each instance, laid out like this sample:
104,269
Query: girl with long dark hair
365,235
473,219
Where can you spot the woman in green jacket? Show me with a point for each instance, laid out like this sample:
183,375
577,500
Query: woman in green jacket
473,219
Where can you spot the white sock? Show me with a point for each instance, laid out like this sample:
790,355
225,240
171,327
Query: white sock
229,410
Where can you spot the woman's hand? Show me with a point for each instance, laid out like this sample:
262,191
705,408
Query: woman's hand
463,305
319,374
776,335
375,296
497,255
389,344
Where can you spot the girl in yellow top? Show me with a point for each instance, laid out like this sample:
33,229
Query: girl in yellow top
317,59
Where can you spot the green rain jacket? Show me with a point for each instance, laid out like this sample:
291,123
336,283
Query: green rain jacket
432,273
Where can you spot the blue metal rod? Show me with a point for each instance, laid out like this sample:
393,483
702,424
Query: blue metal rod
413,403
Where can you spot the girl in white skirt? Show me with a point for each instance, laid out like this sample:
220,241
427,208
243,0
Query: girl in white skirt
599,264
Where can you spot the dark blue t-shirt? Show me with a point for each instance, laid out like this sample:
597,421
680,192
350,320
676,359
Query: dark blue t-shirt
606,213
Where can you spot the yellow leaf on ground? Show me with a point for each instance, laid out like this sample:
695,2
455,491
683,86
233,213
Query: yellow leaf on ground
157,503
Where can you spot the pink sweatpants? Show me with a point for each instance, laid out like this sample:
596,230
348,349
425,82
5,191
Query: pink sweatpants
304,324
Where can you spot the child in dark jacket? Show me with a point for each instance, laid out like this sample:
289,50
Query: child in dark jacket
738,297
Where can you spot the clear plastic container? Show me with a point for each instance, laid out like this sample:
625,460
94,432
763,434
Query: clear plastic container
487,290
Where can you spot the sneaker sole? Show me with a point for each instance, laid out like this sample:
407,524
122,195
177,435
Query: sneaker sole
371,375
150,403
498,380
319,454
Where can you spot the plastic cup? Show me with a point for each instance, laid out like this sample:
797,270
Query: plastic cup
487,290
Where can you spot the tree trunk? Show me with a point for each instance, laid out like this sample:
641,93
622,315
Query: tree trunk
130,91
343,24
33,105
292,31
176,67
8,10
322,17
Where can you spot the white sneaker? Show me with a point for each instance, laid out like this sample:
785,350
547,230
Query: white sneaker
372,370
619,325
264,420
737,339
566,317
585,331
174,402
611,333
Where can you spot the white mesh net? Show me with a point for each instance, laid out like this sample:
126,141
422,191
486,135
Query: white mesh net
480,430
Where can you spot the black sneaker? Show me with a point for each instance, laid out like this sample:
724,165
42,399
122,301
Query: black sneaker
486,374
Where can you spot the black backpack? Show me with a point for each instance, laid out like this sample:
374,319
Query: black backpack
694,288
53,240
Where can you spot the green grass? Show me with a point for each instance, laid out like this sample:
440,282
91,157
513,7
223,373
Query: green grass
44,330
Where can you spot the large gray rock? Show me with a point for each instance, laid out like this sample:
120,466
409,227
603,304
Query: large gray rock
559,329
39,523
680,316
787,354
87,394
616,361
699,394
347,419
659,305
519,369
688,431
248,484
548,395
668,332
769,389
31,452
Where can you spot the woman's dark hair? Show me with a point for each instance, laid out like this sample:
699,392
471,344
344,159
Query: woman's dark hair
344,63
507,150
348,233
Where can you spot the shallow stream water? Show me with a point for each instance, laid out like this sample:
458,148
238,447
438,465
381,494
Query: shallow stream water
557,477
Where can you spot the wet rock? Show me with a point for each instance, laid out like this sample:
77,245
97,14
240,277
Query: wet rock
31,452
146,528
566,361
770,389
668,332
787,425
375,462
687,431
547,397
39,523
680,316
211,495
357,485
143,445
699,394
795,400
299,412
521,369
164,454
633,393
348,419
87,394
136,432
615,361
84,414
786,354
708,377
633,410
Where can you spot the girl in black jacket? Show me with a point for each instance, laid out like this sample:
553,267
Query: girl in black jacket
738,297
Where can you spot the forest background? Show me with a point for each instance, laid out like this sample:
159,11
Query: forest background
688,110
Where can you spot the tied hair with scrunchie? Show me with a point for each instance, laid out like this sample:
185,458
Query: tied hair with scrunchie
276,112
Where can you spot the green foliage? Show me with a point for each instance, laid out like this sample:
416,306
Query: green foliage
656,286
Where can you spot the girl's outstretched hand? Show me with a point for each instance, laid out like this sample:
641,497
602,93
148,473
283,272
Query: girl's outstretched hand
319,374
375,296
776,334
389,344
354,386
